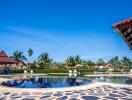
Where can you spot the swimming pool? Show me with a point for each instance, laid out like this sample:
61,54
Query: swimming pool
116,80
62,81
46,82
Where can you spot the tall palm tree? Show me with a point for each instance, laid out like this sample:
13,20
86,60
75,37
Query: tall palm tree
58,64
70,61
30,53
126,61
44,60
115,62
100,62
88,63
19,56
77,59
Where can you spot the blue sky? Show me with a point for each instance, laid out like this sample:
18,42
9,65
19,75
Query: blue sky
64,27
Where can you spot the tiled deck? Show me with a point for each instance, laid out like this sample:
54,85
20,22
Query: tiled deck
103,92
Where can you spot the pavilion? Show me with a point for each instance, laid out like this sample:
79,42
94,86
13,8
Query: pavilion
5,63
104,67
124,28
4,59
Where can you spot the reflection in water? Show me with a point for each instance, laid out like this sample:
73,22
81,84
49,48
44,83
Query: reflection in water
52,82
120,80
128,80
47,82
71,81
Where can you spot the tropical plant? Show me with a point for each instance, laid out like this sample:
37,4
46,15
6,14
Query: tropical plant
88,63
33,65
19,56
30,53
115,62
58,65
100,62
77,59
70,61
44,61
126,62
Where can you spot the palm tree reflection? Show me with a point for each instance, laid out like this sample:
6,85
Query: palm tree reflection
38,82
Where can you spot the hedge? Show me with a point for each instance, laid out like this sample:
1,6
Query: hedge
82,71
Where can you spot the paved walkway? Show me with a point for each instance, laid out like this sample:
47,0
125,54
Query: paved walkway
94,91
104,92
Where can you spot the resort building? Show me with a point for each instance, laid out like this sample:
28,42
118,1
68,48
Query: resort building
19,65
5,60
72,67
108,67
5,63
10,62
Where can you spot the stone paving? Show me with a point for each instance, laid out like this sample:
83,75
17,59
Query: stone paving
104,92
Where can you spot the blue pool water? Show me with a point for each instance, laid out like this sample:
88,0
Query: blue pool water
61,81
47,82
116,80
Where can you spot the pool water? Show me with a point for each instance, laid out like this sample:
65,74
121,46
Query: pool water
62,81
47,82
116,80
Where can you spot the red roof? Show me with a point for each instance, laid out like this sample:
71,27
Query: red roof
3,54
4,59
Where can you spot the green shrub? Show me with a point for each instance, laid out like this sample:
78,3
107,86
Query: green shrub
85,71
116,71
82,71
51,71
18,71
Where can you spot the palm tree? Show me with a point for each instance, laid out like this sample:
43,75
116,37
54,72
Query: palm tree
77,59
100,62
126,62
19,56
70,61
88,63
44,60
33,65
58,65
115,62
30,53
